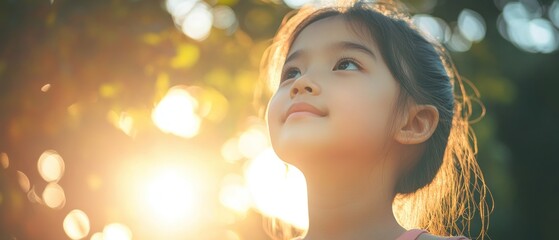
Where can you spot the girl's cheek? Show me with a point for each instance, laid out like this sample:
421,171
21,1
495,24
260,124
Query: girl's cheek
369,106
274,107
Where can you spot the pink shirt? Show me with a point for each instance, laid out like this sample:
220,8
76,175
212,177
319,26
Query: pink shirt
413,234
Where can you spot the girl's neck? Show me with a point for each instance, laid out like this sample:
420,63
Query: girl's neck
352,206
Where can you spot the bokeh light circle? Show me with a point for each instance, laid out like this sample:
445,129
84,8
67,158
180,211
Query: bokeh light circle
198,22
433,27
76,224
472,25
524,26
176,113
53,196
296,3
51,166
4,160
224,17
117,231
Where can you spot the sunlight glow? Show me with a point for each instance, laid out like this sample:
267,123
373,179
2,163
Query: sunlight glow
278,190
234,195
50,166
97,236
170,196
253,141
116,231
230,235
212,105
76,224
176,113
230,150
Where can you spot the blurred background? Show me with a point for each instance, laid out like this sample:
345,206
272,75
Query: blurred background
141,119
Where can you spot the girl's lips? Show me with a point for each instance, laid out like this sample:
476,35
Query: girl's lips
302,108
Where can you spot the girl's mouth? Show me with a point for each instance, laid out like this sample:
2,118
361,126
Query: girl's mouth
303,109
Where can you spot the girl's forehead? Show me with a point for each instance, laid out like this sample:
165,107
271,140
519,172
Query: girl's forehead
329,31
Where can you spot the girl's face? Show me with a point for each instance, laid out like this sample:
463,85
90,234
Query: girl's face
335,98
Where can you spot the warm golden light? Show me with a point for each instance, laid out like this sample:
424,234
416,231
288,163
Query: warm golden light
253,141
126,124
170,196
230,150
122,121
278,190
230,235
76,224
116,231
198,22
51,166
33,197
4,160
45,87
212,105
234,194
97,236
53,196
23,181
94,182
176,113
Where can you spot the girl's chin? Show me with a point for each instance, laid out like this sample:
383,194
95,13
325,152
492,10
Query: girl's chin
304,141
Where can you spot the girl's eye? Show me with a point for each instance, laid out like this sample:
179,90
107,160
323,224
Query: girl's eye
346,64
291,73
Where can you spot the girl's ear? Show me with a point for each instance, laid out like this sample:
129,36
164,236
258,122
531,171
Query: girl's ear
418,125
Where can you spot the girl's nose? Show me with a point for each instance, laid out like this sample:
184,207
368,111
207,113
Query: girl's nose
304,85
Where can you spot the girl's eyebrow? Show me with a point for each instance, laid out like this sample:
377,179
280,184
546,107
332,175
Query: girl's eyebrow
345,45
342,45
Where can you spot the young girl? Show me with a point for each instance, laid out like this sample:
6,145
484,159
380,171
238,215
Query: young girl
366,109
